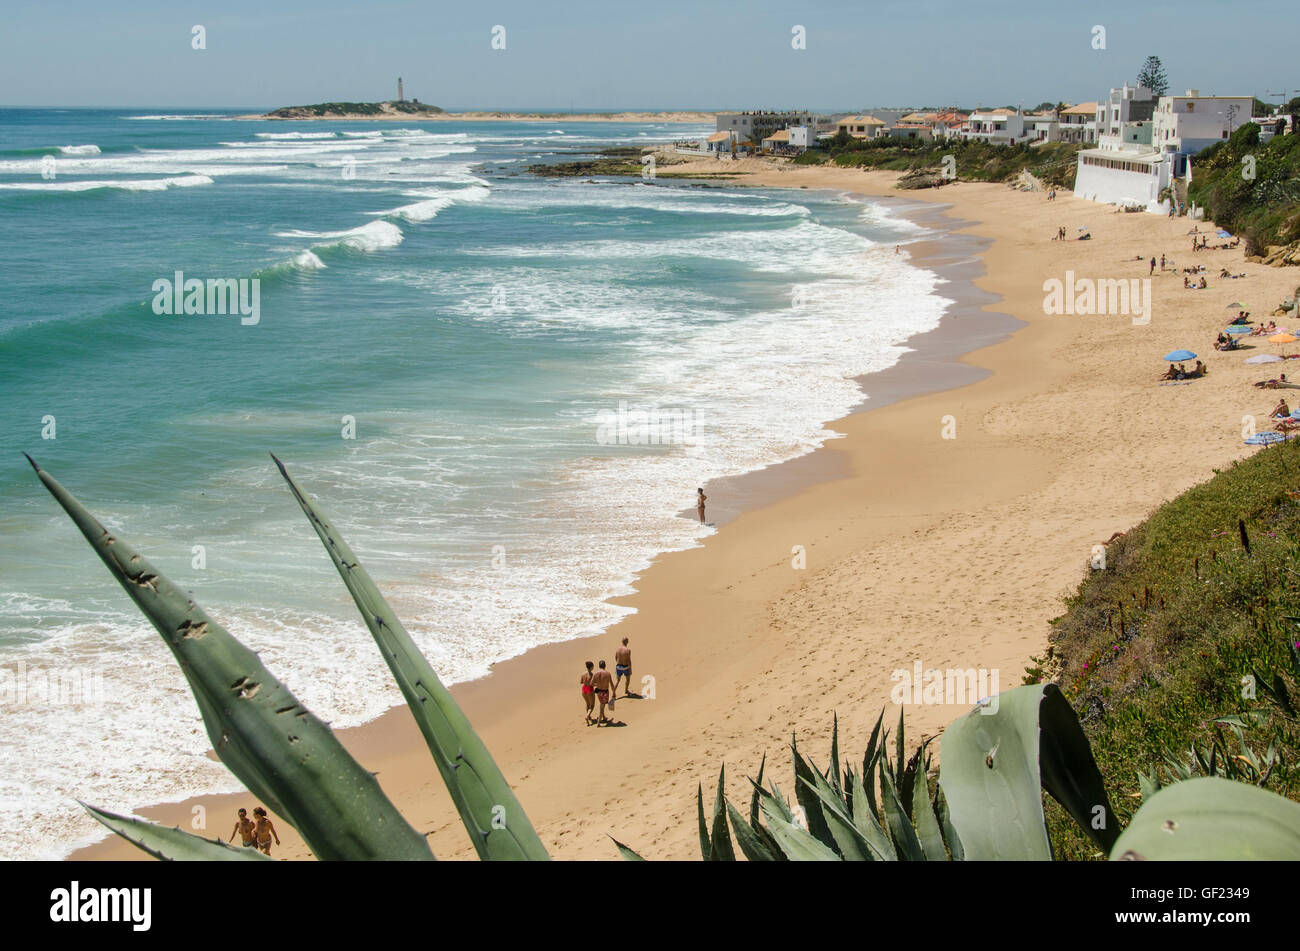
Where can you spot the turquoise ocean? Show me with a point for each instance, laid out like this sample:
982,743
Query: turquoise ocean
440,338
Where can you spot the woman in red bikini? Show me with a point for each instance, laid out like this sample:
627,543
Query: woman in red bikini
588,695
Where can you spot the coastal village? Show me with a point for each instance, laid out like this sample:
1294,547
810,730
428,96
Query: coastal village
1137,146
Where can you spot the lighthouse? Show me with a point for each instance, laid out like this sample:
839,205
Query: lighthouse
400,97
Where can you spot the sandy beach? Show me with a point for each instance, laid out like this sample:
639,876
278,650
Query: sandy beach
954,552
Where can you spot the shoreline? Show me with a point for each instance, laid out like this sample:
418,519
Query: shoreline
955,552
931,364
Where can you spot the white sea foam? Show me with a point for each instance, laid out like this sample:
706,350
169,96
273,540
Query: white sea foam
197,115
433,201
294,135
130,185
763,381
308,262
375,236
79,149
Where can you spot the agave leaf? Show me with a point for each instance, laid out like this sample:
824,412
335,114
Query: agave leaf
1214,820
835,755
720,849
1201,763
949,833
849,841
900,827
796,842
753,799
808,799
627,853
927,826
284,755
1148,784
172,844
867,822
869,764
778,801
703,826
996,764
900,754
755,847
496,822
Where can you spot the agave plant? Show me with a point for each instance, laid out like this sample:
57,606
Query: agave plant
987,802
282,753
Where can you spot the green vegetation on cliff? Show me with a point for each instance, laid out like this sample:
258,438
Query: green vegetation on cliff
1053,163
1181,651
1251,189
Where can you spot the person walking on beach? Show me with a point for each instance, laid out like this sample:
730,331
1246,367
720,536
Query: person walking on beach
588,694
244,826
700,499
623,669
1153,267
601,682
265,830
1162,262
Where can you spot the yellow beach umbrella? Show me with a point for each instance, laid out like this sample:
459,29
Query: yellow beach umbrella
1283,338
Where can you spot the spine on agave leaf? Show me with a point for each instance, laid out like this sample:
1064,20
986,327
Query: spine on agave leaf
172,844
496,821
284,755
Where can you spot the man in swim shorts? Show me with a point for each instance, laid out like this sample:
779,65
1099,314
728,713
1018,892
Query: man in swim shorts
601,682
623,668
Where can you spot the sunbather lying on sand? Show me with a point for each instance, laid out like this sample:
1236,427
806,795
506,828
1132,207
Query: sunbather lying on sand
1272,384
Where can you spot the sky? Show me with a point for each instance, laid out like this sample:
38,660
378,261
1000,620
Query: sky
628,54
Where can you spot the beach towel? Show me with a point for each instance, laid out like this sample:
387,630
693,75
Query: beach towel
1177,382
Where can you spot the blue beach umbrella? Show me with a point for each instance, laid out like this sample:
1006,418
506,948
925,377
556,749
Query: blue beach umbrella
1178,355
1238,329
1224,234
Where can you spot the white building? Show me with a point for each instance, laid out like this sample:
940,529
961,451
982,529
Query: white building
1124,105
862,127
801,137
759,124
726,142
1188,123
1079,123
998,127
1045,126
1125,176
